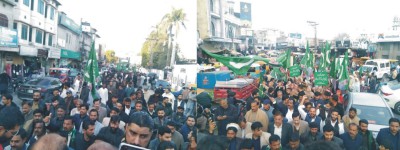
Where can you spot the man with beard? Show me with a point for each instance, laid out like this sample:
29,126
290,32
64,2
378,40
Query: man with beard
164,134
188,128
389,138
161,120
294,143
7,100
127,106
68,131
280,128
179,117
351,139
83,141
313,135
93,115
336,105
335,121
166,105
138,107
121,92
55,124
368,141
37,115
37,102
18,141
258,137
79,118
170,96
138,130
27,110
112,133
176,137
350,118
234,142
256,114
329,136
11,119
38,131
225,114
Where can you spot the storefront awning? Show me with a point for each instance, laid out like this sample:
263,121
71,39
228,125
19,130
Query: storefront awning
65,53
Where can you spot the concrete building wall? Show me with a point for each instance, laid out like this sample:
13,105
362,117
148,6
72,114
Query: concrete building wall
72,43
388,50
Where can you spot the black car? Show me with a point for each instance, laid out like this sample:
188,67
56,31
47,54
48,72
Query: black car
44,85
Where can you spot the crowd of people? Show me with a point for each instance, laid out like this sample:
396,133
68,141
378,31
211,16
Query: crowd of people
295,115
124,109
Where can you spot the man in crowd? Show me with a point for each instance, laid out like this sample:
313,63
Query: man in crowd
102,110
313,135
178,116
336,122
329,136
283,130
234,142
79,118
37,102
225,114
294,143
350,118
93,115
161,119
176,137
258,137
69,131
139,129
55,125
86,138
300,127
351,139
164,134
368,141
389,138
38,131
256,114
112,133
187,128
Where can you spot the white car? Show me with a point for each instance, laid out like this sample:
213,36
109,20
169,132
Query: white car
391,93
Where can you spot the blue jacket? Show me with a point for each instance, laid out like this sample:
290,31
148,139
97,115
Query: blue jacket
185,130
388,140
349,143
78,120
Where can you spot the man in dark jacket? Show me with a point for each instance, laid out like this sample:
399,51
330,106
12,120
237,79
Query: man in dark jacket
390,137
351,139
7,100
4,81
368,141
187,128
82,116
285,128
55,124
234,142
225,114
83,141
329,136
112,134
313,135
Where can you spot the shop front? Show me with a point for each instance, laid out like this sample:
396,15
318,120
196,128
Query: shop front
31,62
8,49
70,59
54,55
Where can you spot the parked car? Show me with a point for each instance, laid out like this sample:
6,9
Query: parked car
44,85
380,66
390,91
371,107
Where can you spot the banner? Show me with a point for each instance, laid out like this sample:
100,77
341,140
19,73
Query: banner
321,78
295,71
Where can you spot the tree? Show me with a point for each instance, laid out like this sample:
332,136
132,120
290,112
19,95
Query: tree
159,44
110,56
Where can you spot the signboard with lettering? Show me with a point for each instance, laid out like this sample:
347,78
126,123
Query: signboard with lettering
295,71
321,78
8,37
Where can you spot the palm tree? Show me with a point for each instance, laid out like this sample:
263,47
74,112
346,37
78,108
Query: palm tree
172,22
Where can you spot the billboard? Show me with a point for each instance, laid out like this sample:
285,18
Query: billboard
8,37
245,14
295,35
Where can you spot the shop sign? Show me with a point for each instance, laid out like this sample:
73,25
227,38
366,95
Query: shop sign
54,53
28,51
42,53
8,37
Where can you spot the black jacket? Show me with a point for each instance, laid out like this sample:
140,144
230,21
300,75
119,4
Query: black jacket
287,132
114,138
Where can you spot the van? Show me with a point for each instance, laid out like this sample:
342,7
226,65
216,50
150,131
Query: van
381,67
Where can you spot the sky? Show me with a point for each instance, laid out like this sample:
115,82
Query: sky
125,24
333,16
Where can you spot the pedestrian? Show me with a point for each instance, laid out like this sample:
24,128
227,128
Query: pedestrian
389,138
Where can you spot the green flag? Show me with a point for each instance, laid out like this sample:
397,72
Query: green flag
325,56
285,58
238,65
305,58
344,73
332,71
260,86
92,70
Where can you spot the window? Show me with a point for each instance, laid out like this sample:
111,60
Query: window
26,2
32,6
50,43
41,7
45,11
387,65
39,36
30,34
212,29
44,38
211,5
24,32
385,57
3,20
15,26
51,13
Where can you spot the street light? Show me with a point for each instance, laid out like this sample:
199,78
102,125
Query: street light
314,25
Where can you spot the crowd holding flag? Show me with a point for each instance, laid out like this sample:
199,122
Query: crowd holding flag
92,70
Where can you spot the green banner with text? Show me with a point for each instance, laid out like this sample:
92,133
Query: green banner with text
321,78
295,71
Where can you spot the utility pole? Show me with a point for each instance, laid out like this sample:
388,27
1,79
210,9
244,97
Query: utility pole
314,25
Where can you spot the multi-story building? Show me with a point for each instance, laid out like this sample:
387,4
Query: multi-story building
8,35
218,26
266,39
69,35
36,23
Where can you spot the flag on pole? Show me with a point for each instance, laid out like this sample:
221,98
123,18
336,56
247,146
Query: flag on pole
92,70
344,73
325,56
285,59
304,60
